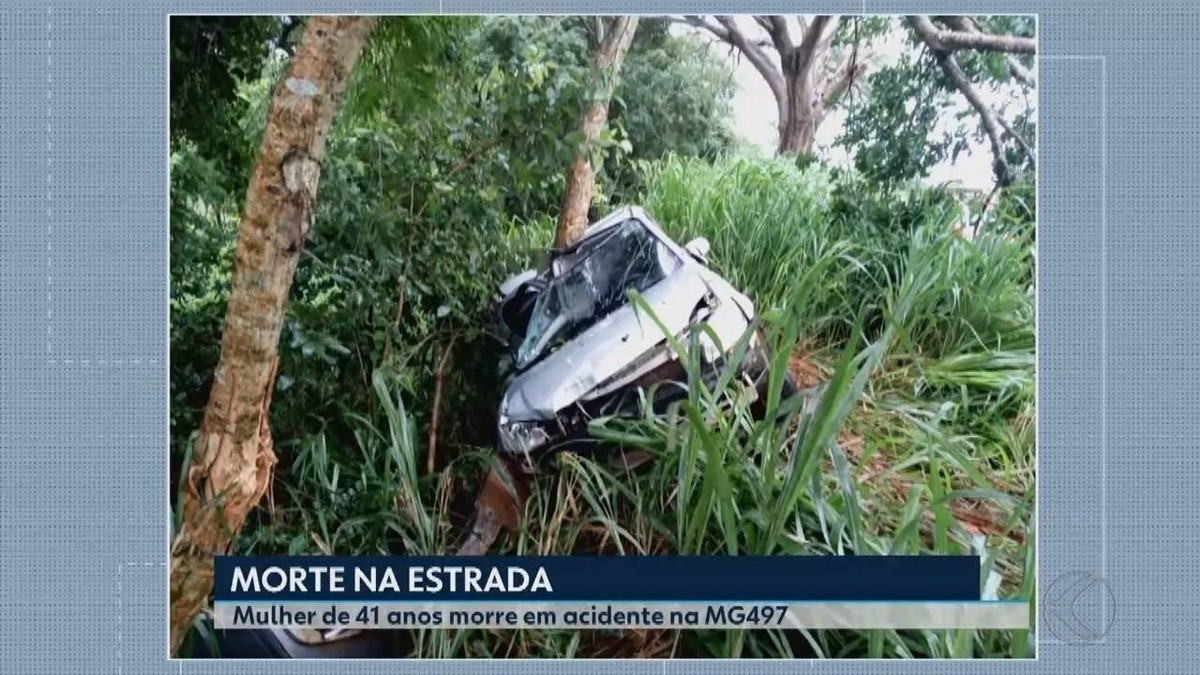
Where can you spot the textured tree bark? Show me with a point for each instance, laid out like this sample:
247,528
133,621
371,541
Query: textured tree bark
804,114
804,69
233,456
581,177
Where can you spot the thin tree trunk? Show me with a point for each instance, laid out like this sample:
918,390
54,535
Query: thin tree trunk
233,456
581,177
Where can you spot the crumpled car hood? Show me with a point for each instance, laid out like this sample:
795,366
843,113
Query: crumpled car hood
574,369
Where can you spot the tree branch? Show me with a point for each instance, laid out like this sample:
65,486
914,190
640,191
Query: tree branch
719,32
1019,72
953,40
757,57
435,417
778,30
802,23
597,33
849,71
1025,147
828,33
617,35
700,23
929,35
808,44
729,33
968,25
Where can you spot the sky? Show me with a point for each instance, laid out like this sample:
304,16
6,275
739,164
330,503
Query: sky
755,118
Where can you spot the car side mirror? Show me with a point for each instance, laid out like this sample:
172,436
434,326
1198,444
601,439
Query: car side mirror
698,248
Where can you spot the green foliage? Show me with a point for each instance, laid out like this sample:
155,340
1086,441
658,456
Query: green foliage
724,481
402,63
423,195
989,66
203,231
768,221
903,126
861,30
210,56
940,393
894,131
674,96
1015,212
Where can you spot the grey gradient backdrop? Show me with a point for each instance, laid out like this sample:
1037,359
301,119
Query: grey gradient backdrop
83,333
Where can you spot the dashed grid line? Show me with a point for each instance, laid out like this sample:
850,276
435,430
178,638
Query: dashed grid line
49,182
49,203
103,362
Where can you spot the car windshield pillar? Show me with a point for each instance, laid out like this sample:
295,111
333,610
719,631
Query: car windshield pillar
626,257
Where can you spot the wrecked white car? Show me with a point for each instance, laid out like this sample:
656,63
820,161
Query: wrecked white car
581,350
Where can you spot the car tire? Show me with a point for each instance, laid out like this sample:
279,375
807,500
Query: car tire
787,389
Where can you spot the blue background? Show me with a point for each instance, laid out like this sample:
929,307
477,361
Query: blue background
632,578
83,335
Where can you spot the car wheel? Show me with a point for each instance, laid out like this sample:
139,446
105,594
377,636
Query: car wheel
787,389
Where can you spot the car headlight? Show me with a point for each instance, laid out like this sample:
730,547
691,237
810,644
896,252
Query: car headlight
522,438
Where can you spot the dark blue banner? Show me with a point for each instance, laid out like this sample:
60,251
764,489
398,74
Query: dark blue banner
601,578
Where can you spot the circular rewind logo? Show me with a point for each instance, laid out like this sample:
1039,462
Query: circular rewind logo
1078,608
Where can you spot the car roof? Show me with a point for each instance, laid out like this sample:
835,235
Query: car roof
562,260
618,216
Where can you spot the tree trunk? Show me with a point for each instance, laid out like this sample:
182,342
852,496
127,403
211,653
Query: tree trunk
803,71
802,88
803,116
572,217
233,456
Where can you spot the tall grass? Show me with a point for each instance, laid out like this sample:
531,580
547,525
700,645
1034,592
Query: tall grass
768,221
940,398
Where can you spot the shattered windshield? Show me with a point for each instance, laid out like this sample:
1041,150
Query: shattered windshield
627,257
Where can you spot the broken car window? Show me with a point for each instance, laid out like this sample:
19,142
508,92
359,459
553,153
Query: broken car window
627,257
